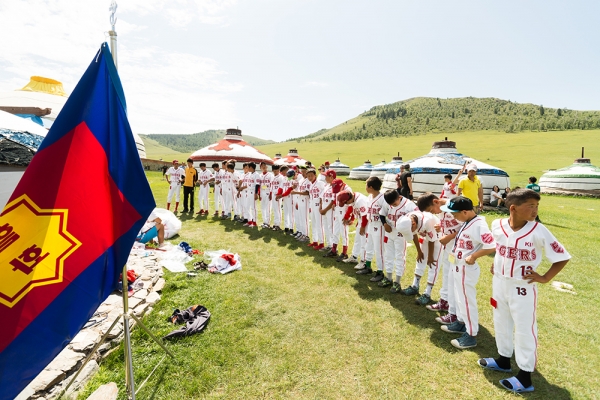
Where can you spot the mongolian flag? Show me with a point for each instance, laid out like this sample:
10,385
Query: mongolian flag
67,230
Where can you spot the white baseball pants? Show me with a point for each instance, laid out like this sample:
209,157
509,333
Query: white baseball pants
218,198
276,211
339,229
250,207
301,217
316,220
360,242
515,311
376,239
465,294
265,207
328,227
395,253
203,197
447,289
288,213
174,189
433,269
227,201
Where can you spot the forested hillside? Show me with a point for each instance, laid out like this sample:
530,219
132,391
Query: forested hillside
188,143
422,115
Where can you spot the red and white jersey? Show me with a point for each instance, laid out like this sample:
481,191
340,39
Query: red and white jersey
406,206
236,178
321,178
472,236
448,223
521,251
449,191
264,181
276,183
175,174
286,185
426,223
244,182
327,196
303,186
315,190
252,179
227,180
205,176
375,205
360,207
219,176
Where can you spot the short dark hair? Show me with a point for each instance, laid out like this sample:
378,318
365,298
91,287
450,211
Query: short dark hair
262,163
426,200
231,165
311,171
202,164
252,165
391,196
406,166
274,167
520,196
224,163
374,182
448,176
283,168
215,165
190,160
245,164
532,179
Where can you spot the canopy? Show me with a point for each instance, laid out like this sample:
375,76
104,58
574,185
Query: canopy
40,93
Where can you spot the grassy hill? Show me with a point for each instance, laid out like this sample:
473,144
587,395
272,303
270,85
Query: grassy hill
188,143
521,154
424,115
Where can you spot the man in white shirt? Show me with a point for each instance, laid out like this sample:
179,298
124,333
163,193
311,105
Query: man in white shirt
204,178
174,176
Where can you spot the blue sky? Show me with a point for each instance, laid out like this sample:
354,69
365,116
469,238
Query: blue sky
286,68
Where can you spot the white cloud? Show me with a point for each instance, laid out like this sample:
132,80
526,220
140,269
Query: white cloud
167,91
315,84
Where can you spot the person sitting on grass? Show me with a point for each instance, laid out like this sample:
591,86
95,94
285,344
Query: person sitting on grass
520,242
496,199
153,228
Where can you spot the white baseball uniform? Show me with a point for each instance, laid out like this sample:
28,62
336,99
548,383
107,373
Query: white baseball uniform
175,175
513,298
227,191
428,234
376,236
473,236
314,203
339,229
203,178
238,199
327,197
449,225
251,182
449,191
288,203
264,182
276,184
396,244
243,199
218,189
360,209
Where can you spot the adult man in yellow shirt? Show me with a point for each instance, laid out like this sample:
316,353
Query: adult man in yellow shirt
191,176
471,188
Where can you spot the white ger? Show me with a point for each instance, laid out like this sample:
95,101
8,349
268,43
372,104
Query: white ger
579,177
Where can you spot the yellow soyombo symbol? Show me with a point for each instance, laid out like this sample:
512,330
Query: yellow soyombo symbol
34,244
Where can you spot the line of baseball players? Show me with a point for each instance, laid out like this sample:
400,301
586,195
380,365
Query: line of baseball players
447,233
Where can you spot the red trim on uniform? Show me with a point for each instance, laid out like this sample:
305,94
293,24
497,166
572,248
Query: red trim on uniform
437,266
464,272
517,245
533,324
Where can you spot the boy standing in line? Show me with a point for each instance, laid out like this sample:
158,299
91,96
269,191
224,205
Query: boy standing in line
217,189
314,205
285,194
358,205
191,177
375,236
276,184
473,240
397,236
264,181
228,189
339,228
252,189
204,178
326,209
173,176
519,245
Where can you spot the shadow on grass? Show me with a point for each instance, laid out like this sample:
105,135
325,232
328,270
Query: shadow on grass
413,313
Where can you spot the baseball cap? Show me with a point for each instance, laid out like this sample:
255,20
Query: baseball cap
326,162
337,185
331,173
175,161
471,167
291,173
404,226
343,197
459,203
302,167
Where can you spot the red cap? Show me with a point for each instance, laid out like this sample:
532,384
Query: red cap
343,197
331,173
326,162
175,161
337,185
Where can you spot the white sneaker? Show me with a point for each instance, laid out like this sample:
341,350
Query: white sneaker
360,265
351,259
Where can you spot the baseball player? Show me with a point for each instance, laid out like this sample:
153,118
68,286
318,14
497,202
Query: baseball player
450,190
265,178
357,209
204,178
326,209
174,176
218,188
240,196
251,188
284,194
227,190
340,229
375,232
520,241
276,184
300,194
449,227
473,240
397,236
314,206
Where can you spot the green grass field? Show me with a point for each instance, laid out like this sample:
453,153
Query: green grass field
520,154
292,324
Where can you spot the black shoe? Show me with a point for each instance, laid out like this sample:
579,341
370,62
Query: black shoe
342,257
364,271
331,254
378,276
185,210
191,211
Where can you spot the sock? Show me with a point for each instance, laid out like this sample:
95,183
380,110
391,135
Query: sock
388,275
367,264
417,281
503,362
428,290
345,249
334,248
523,376
398,279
